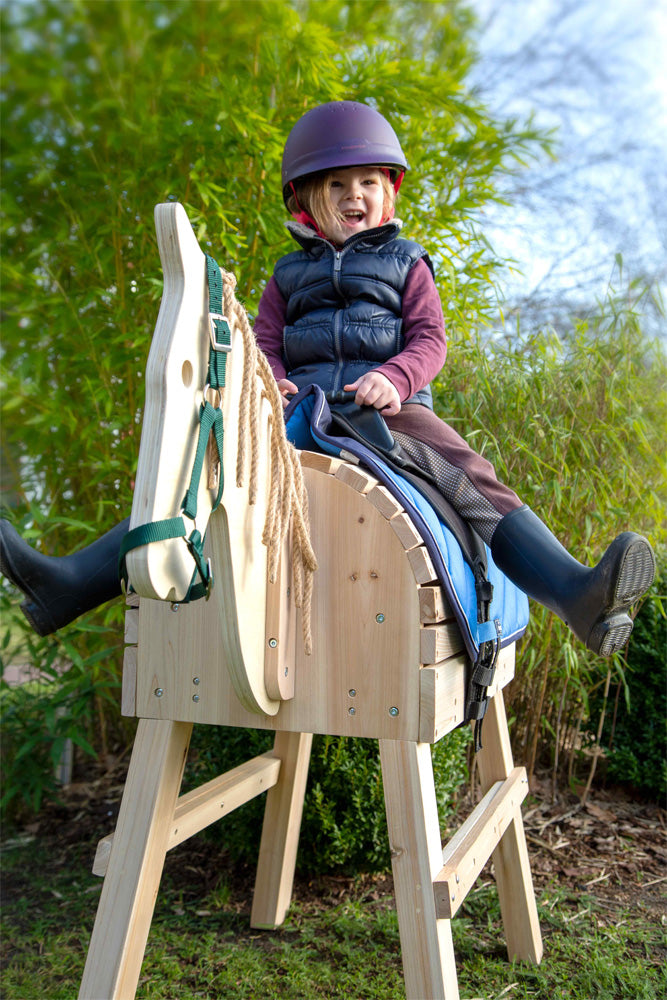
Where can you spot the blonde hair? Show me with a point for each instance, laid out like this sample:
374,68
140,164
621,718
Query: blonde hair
312,197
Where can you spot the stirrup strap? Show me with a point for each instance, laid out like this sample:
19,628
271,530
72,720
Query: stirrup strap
210,423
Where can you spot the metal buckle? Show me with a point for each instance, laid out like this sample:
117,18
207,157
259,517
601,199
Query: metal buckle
215,344
209,580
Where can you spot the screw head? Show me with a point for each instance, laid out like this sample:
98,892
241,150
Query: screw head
195,680
273,643
175,607
195,697
351,711
159,692
379,618
393,711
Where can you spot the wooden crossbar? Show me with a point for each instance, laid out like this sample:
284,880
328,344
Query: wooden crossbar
468,851
209,802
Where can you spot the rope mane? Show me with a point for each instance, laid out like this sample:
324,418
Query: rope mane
288,499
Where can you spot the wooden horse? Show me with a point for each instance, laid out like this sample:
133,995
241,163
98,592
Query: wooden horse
387,662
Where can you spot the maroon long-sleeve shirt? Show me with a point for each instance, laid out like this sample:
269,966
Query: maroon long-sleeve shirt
425,347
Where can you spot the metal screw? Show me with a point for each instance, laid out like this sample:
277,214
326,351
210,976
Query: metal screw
273,643
175,607
195,697
195,680
352,693
158,692
379,618
351,711
393,711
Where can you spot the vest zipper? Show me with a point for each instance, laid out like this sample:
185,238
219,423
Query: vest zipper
337,266
338,321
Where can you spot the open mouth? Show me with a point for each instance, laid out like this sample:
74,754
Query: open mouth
353,216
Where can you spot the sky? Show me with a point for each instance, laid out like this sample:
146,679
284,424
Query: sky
596,71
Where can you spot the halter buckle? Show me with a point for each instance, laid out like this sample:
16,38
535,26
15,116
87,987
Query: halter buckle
213,319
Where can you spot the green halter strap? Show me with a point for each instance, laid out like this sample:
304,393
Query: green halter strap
210,423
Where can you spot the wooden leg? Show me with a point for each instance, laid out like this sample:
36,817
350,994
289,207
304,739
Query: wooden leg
130,887
512,865
280,832
414,837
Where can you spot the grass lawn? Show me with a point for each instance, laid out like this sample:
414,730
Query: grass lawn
602,914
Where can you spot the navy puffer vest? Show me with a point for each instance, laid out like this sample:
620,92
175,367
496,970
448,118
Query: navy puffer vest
344,306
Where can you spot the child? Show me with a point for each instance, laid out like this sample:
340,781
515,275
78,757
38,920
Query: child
356,308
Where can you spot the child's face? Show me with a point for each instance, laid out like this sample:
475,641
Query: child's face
357,199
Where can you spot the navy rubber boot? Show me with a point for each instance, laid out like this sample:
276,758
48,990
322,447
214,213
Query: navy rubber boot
60,588
593,602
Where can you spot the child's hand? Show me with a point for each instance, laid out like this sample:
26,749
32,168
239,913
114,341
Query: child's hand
285,388
375,389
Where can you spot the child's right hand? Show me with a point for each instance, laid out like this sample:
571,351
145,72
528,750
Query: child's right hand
375,389
286,388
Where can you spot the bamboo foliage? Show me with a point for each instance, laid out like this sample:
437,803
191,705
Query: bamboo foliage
576,427
110,108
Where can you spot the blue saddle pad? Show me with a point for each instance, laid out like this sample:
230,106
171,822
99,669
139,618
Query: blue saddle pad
308,420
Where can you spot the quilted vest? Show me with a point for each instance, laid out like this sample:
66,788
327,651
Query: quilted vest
344,305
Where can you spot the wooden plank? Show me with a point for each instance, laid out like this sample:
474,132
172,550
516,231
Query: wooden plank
128,696
421,564
280,629
176,373
280,831
365,618
442,694
469,850
429,966
320,462
209,802
405,531
359,480
132,626
384,501
504,674
130,888
433,605
510,858
439,642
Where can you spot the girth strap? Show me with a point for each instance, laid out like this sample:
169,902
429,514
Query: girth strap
366,424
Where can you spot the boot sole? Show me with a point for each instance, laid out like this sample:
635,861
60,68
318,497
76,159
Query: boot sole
634,576
610,636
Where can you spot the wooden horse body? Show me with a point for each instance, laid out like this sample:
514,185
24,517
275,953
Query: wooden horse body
388,662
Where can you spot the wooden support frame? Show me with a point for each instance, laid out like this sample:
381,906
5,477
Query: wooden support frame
389,663
130,888
469,850
429,965
430,884
510,857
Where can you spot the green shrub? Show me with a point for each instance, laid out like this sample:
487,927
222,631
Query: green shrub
344,826
634,733
76,683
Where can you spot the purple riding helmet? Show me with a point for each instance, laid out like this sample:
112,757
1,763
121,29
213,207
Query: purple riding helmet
341,134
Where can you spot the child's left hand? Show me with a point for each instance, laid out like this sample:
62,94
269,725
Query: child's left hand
375,389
